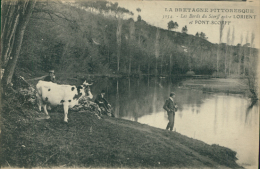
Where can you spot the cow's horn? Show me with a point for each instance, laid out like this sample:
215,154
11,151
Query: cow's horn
87,84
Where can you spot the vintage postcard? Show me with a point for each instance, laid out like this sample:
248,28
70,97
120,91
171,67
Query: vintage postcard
129,84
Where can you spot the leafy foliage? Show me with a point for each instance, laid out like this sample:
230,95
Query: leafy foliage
172,25
184,29
201,35
105,6
73,40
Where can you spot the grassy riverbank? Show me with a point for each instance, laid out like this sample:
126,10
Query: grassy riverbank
87,141
233,86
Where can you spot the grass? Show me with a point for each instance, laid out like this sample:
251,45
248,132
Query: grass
86,141
233,86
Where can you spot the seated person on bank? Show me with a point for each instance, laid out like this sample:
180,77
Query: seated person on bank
103,104
50,77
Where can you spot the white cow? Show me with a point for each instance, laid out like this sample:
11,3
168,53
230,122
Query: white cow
49,93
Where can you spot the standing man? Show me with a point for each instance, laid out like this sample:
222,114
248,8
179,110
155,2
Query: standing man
50,77
170,106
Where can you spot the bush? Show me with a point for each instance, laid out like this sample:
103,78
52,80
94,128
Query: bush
190,73
219,75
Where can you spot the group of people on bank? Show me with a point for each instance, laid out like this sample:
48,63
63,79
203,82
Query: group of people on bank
170,105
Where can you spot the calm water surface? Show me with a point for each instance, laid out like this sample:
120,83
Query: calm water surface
215,118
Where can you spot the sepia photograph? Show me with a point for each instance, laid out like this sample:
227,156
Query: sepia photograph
129,84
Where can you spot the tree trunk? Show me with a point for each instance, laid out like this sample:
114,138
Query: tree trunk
118,56
225,61
9,25
117,107
25,14
139,43
118,35
63,65
170,65
245,54
129,87
231,51
129,68
239,64
161,65
220,41
218,57
230,62
108,55
227,48
157,50
245,58
132,38
240,55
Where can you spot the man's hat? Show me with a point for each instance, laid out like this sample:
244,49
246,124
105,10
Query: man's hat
51,71
172,93
103,91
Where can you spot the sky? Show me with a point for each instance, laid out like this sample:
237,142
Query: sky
242,17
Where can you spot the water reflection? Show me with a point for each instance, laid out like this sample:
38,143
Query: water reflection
228,120
254,103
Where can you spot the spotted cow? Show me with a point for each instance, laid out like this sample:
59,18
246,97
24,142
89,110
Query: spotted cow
49,93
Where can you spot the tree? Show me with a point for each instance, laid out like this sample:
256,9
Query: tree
118,15
245,46
157,48
203,35
118,35
140,30
172,25
226,53
197,34
240,51
132,38
250,63
139,18
220,40
167,48
16,17
231,51
104,6
184,29
176,25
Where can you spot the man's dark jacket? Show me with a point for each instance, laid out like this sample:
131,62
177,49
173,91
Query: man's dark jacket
99,100
49,79
169,106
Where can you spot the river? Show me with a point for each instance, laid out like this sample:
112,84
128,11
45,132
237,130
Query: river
213,117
